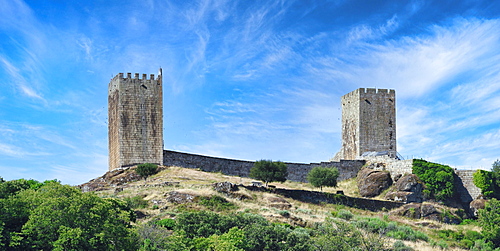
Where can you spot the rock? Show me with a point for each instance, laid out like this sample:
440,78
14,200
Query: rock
428,211
477,204
180,198
406,197
407,189
225,187
409,183
372,182
397,177
279,203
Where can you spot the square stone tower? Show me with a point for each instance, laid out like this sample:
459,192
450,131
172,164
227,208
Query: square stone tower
135,126
368,123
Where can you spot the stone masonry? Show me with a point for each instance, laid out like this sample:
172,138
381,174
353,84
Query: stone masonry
296,171
368,123
135,120
135,107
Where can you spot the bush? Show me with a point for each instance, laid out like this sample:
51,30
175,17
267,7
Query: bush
166,223
323,176
344,214
217,203
145,170
400,246
489,221
135,202
439,179
269,171
485,181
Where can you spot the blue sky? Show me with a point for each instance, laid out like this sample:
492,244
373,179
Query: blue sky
246,79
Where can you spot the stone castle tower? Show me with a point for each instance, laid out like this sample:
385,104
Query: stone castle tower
368,123
135,111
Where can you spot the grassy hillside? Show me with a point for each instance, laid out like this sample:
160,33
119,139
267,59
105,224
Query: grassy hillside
175,190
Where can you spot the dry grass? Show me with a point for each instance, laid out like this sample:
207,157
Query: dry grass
199,183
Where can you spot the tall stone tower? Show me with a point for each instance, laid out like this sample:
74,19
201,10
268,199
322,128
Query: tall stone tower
368,123
135,129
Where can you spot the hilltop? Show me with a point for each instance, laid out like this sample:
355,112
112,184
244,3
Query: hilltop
174,190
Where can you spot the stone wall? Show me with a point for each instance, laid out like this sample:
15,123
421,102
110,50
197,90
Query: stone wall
394,166
296,171
465,187
135,120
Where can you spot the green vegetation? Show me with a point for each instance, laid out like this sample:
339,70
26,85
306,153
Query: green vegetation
323,176
135,202
489,182
145,170
485,181
217,203
438,179
51,216
269,171
489,219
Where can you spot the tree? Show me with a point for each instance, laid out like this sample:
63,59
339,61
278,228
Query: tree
495,169
489,220
145,170
323,176
269,171
60,217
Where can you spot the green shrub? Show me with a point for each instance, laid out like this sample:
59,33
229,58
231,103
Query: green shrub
345,214
284,213
438,179
407,233
135,202
145,170
216,203
373,225
485,181
400,246
166,223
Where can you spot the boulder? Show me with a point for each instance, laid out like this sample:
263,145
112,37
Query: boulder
428,211
372,182
180,198
407,189
406,197
477,204
225,187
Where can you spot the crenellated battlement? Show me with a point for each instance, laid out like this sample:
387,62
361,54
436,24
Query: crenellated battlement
136,76
135,119
377,91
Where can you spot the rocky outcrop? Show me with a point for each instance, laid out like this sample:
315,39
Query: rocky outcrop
477,204
429,211
372,182
225,187
114,178
407,189
180,198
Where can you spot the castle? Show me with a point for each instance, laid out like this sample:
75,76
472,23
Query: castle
368,135
135,107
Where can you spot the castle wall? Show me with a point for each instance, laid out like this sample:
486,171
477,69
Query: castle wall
465,187
296,171
368,122
135,120
394,166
